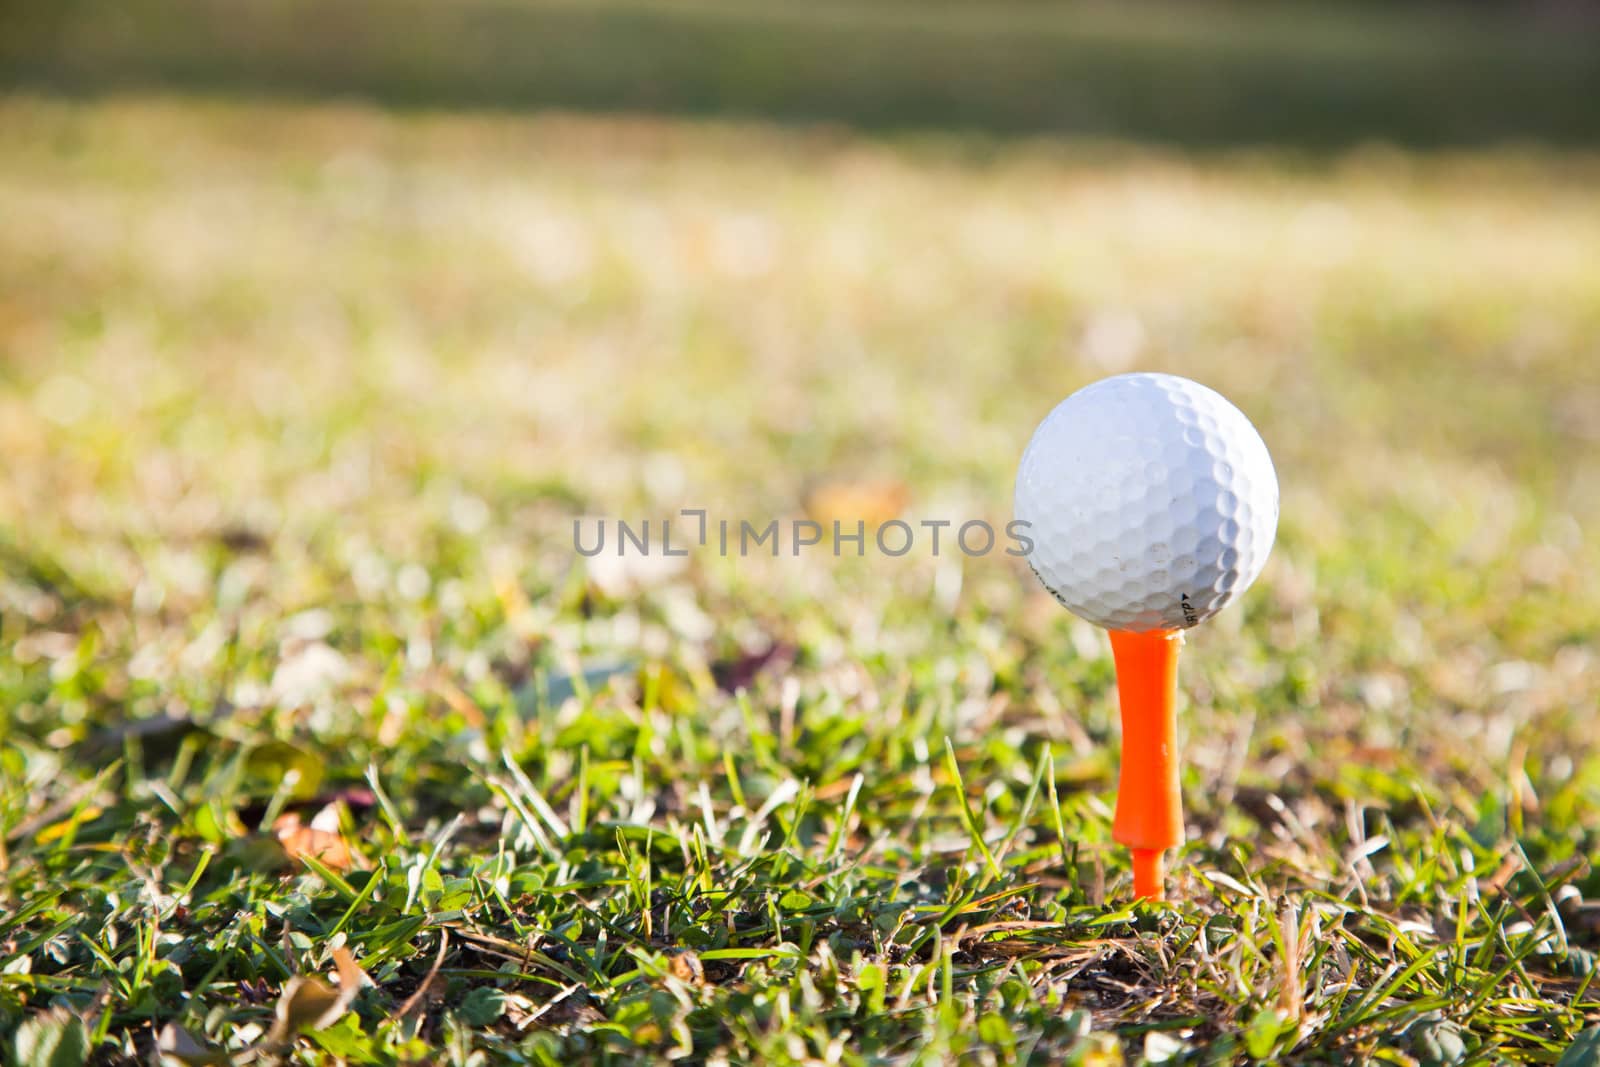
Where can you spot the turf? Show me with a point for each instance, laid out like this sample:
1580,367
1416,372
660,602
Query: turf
298,405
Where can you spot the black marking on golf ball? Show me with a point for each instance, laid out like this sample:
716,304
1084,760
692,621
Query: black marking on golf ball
1189,615
1048,587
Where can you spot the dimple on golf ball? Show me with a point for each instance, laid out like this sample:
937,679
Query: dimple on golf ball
1150,500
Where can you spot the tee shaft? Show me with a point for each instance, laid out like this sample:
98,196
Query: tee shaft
1149,815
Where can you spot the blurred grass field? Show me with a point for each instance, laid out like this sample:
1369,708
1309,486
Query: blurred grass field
298,404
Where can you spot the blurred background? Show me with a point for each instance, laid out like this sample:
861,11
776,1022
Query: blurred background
351,309
320,323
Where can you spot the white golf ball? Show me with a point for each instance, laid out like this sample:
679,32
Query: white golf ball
1151,502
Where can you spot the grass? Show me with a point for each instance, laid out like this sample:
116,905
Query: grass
1318,77
300,673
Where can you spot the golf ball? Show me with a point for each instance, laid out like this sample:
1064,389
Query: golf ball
1151,502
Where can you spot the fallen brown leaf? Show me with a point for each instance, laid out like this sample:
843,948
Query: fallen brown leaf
740,672
686,967
176,1045
309,1003
321,840
849,502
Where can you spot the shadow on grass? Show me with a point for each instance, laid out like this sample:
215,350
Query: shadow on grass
1298,76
